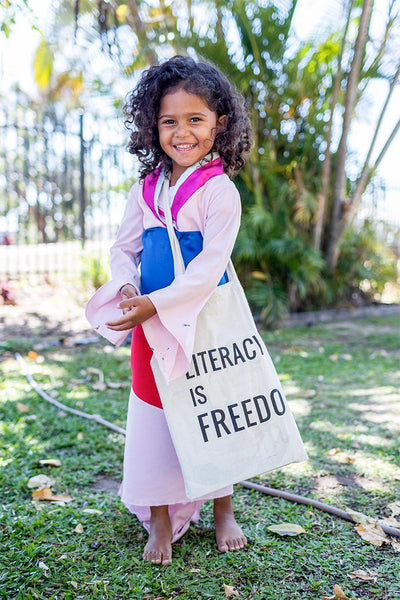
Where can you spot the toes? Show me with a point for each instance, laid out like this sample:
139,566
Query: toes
223,547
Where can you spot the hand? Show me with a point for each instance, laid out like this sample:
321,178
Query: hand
138,310
127,291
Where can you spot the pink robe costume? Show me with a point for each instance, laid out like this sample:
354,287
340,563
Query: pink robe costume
205,201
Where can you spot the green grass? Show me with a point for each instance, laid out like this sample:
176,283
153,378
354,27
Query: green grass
344,404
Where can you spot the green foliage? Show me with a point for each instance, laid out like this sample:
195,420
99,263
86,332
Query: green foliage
94,271
365,265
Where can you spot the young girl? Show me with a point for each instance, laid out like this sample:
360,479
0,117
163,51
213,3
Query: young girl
188,124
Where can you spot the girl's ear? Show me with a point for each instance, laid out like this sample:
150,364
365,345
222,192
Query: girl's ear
221,123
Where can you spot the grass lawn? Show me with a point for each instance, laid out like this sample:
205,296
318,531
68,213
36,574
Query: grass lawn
342,382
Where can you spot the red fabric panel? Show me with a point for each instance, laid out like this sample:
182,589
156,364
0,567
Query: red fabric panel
143,383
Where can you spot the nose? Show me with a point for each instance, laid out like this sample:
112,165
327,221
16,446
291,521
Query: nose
181,129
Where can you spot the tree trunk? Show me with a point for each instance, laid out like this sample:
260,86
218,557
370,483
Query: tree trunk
367,170
326,165
350,100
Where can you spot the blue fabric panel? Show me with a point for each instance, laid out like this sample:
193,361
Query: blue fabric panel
157,265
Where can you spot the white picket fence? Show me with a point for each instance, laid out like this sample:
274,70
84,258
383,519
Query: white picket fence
62,258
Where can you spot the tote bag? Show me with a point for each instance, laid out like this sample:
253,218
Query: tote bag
228,416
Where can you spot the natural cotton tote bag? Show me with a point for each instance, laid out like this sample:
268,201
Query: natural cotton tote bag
228,416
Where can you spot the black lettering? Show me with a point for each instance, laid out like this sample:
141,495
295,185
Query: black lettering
247,412
224,355
258,344
262,419
189,376
202,360
234,417
201,398
213,359
193,397
237,354
203,426
219,421
254,354
196,368
282,410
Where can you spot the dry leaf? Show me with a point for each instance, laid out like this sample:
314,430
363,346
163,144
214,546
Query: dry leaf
46,494
334,357
286,529
359,517
372,533
50,462
22,408
394,508
230,591
74,584
391,521
364,575
44,568
346,357
79,436
338,594
92,511
32,354
79,528
40,481
395,545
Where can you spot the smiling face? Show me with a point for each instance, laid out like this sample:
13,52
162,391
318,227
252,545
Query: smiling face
186,129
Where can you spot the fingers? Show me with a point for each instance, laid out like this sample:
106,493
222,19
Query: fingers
122,324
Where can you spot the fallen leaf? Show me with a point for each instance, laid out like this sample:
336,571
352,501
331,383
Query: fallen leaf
50,462
22,408
359,517
99,386
394,508
32,354
334,357
79,528
92,511
44,568
74,584
79,436
338,594
46,494
391,521
395,545
364,575
40,481
230,591
286,529
346,357
372,533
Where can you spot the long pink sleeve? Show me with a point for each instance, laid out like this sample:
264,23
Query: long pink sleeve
125,258
127,248
179,304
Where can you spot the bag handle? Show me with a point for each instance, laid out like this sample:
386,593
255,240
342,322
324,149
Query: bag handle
179,265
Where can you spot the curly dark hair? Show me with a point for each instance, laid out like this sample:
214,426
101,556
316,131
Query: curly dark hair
200,78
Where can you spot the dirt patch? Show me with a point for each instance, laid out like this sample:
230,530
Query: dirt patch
107,484
44,312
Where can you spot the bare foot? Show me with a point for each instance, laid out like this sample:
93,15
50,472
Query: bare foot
158,549
228,533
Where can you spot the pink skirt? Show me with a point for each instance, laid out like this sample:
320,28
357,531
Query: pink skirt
152,475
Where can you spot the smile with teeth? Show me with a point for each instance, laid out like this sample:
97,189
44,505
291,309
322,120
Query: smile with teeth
184,147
